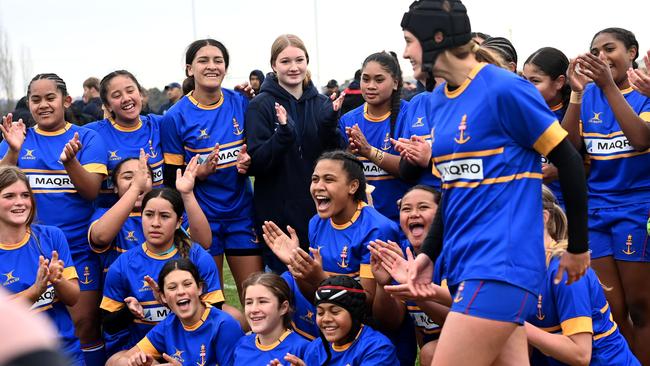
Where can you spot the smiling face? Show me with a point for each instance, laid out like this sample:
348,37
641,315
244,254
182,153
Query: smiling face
263,311
208,68
47,105
291,66
377,84
413,53
550,89
334,321
182,294
16,204
416,214
124,99
159,222
331,189
614,53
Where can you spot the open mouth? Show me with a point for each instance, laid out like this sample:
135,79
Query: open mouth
257,318
212,75
322,203
128,107
416,229
183,304
45,114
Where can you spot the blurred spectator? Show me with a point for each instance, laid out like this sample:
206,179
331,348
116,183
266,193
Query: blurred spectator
174,94
89,108
256,78
409,89
22,111
332,87
353,97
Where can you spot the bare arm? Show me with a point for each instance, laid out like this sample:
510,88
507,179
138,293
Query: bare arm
199,225
572,350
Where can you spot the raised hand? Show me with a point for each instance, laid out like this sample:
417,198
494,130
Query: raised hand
171,361
596,69
391,259
243,160
71,149
337,102
639,79
281,114
185,181
209,165
307,268
280,244
134,307
420,272
154,288
245,89
42,274
415,150
141,177
358,143
577,79
55,269
13,132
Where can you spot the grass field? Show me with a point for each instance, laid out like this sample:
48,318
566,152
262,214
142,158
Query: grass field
230,289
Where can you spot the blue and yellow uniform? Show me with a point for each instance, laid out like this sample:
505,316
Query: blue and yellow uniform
130,236
226,197
580,308
554,186
304,315
619,179
211,341
126,278
489,134
369,347
18,267
388,189
57,199
417,122
122,143
249,351
344,248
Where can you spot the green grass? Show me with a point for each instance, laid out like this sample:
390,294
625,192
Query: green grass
230,289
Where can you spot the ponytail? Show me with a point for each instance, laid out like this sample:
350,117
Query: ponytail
182,242
390,63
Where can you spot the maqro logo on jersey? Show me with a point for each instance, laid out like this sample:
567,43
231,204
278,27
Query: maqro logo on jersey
49,181
471,169
370,169
226,155
46,298
608,146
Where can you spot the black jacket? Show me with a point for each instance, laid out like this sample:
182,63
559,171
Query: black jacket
283,157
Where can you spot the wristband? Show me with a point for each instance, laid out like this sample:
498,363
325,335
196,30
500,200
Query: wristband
576,97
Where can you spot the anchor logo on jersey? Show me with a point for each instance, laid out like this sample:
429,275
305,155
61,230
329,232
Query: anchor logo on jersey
10,278
152,151
386,146
628,244
461,128
29,155
114,155
235,125
418,123
203,134
539,314
86,275
202,354
596,118
344,256
459,294
178,355
130,236
309,317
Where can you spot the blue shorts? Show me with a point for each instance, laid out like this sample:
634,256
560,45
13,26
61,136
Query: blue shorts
89,270
493,300
235,237
621,232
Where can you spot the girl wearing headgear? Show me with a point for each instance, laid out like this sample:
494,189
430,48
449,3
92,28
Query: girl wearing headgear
611,121
489,128
345,339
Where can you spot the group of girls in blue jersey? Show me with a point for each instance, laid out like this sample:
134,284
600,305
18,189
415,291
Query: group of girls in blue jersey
399,225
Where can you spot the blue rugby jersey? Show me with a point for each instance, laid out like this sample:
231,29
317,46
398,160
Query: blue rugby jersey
18,269
388,188
304,315
122,143
126,278
249,352
191,128
618,175
489,134
59,204
211,341
580,308
554,186
344,248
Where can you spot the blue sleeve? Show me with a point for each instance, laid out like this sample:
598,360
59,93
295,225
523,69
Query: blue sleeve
313,353
525,117
93,155
171,140
573,303
268,141
212,292
3,148
156,335
226,339
114,289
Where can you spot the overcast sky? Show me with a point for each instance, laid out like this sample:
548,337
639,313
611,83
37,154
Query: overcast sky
80,38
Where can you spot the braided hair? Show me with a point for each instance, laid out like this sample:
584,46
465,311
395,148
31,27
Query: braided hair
390,64
60,84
